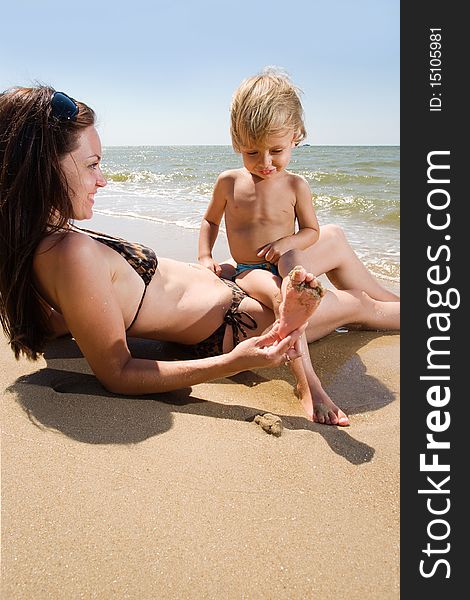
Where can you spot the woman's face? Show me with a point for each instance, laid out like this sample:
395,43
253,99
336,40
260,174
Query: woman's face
81,168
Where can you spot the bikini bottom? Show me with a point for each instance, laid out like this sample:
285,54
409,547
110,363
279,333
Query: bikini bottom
238,320
265,266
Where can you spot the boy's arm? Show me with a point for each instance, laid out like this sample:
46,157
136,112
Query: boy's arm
210,224
309,229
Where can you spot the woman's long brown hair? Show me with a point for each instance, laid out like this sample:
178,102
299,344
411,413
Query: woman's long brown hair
34,200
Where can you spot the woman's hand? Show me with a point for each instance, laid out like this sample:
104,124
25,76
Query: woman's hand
267,350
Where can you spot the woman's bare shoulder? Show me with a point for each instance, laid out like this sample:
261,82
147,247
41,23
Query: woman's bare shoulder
67,266
64,254
64,245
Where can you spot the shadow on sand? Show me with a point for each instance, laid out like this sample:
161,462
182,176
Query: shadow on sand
73,402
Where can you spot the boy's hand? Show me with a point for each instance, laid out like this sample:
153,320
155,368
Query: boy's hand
210,264
272,252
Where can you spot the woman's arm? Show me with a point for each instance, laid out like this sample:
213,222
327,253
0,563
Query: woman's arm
142,376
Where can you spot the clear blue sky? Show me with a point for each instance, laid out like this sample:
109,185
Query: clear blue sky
163,72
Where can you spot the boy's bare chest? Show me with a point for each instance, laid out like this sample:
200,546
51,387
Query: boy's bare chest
269,203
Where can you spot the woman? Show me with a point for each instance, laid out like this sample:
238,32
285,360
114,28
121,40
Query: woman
56,278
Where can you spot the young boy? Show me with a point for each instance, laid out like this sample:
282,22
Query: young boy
262,203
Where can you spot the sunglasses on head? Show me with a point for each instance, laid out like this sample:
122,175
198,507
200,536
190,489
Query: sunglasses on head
63,107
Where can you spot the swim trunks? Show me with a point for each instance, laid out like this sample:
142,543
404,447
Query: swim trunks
237,319
265,266
142,259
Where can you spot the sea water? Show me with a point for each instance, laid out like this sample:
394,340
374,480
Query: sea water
356,187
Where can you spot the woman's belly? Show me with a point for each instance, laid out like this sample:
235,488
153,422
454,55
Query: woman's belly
184,303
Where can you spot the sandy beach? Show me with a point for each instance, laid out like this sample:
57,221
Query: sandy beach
181,495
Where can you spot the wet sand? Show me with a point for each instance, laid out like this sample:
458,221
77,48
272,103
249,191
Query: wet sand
181,495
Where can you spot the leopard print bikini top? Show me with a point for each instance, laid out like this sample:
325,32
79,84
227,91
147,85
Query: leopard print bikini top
142,259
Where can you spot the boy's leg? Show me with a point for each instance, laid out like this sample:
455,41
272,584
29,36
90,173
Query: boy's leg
333,255
314,399
263,286
356,310
356,306
301,303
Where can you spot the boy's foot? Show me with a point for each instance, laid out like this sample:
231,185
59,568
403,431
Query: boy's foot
322,411
301,294
329,414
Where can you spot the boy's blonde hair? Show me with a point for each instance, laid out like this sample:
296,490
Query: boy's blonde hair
264,105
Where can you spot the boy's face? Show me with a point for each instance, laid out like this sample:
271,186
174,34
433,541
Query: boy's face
270,158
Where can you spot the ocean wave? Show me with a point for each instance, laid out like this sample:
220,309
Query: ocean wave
380,211
385,269
148,176
339,177
390,218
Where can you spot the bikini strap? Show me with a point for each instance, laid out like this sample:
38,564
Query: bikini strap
234,318
238,319
138,310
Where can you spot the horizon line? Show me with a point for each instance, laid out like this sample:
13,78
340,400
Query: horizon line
229,145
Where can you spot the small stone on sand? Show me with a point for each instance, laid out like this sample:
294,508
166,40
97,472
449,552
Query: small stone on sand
270,423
